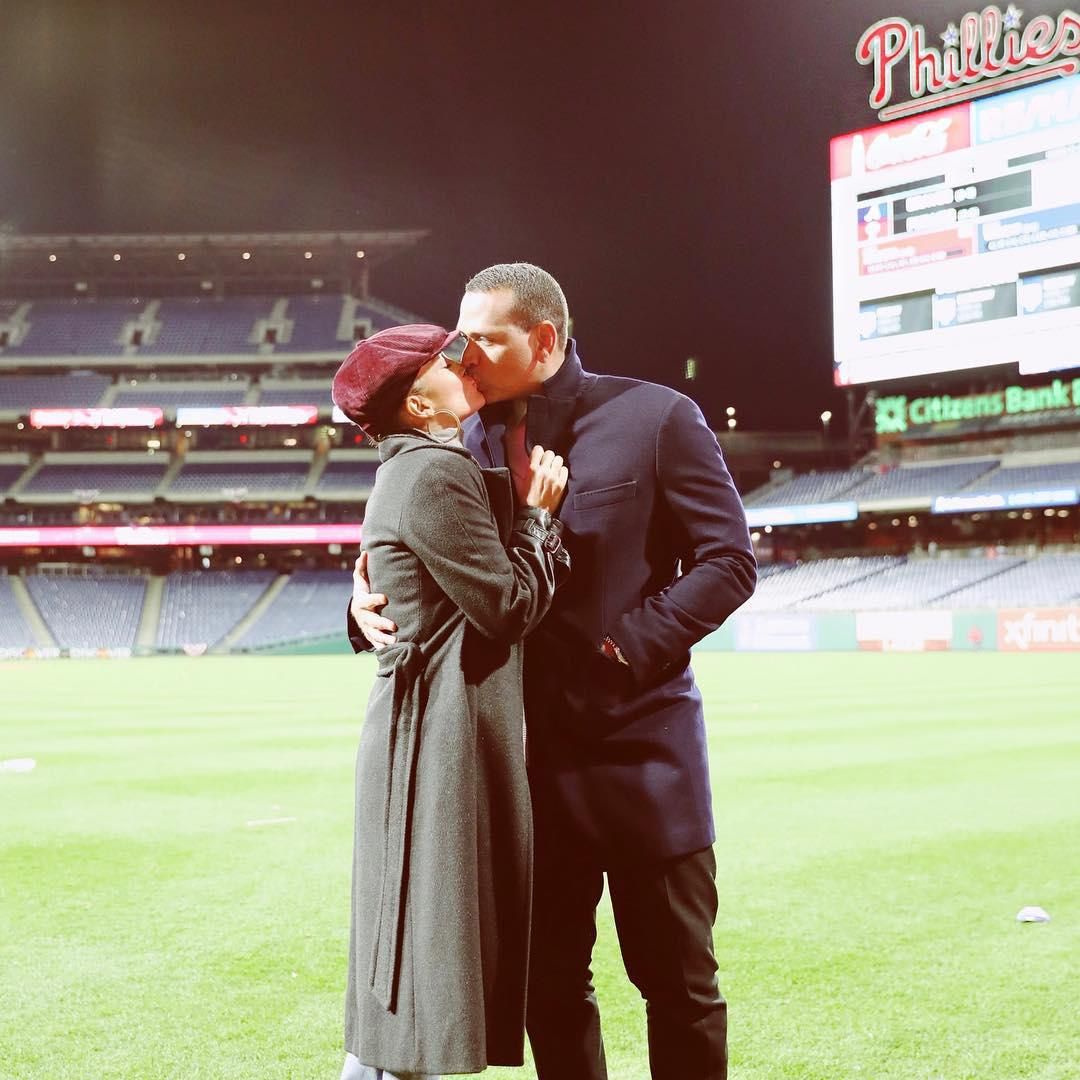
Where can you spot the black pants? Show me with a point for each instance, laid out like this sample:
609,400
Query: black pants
664,915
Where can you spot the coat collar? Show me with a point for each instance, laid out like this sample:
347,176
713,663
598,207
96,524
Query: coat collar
551,409
405,443
497,481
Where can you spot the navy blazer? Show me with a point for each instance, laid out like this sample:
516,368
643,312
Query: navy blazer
661,556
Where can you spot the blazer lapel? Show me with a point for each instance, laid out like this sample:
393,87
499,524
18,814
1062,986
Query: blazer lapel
500,490
484,437
547,423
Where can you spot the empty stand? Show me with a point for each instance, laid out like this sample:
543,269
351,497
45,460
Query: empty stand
98,612
820,487
166,395
9,473
241,477
922,482
208,325
15,631
782,587
347,477
315,324
96,481
79,390
1047,581
916,583
312,605
75,328
1028,478
202,607
297,392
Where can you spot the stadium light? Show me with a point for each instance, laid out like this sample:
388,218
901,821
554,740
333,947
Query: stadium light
180,256
52,258
731,423
359,254
731,410
307,254
246,256
116,256
826,416
777,463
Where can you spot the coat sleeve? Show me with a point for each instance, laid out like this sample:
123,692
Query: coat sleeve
357,640
503,591
719,571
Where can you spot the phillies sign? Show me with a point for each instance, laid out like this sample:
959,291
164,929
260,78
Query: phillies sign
988,51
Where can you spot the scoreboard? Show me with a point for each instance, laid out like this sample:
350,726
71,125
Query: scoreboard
956,239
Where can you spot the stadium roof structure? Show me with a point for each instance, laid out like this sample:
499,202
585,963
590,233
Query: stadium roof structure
195,263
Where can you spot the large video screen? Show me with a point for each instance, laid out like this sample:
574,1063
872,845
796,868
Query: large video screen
956,239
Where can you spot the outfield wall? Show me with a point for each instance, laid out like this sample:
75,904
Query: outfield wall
1003,629
986,630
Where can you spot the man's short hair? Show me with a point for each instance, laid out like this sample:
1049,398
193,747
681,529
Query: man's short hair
538,297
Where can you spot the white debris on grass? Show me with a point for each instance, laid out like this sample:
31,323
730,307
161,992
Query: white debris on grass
18,765
1032,914
259,822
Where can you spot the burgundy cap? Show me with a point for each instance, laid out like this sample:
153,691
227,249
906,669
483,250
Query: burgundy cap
372,381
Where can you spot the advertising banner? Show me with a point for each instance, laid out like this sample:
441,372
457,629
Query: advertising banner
177,535
1039,630
95,418
244,415
904,631
774,632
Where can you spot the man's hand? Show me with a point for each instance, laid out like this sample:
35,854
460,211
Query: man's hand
364,608
548,476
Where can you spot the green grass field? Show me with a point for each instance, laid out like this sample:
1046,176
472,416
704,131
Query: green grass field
881,819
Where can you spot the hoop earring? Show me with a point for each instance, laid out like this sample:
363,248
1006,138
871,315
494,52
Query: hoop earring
446,434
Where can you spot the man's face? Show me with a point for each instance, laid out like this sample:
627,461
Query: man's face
501,356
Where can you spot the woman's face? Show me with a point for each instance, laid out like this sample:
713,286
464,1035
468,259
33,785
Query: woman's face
446,385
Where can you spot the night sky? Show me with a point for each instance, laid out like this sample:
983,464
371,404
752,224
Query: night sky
667,162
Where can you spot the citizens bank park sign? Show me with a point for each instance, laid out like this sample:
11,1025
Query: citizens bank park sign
983,53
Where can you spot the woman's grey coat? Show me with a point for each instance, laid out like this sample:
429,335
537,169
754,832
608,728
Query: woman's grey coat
442,864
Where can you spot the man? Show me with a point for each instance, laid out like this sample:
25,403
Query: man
617,756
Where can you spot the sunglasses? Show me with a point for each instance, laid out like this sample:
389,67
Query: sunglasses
455,350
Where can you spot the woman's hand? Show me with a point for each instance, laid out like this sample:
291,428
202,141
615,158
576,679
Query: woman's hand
548,481
364,608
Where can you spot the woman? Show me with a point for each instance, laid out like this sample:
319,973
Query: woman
442,862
